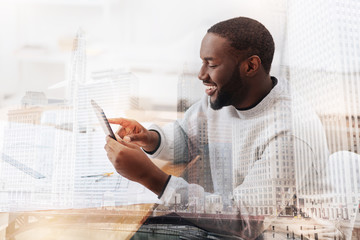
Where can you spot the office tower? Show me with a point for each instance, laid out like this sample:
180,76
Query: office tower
67,122
50,148
196,199
187,147
198,148
77,72
190,90
34,98
343,170
213,203
27,155
221,155
324,56
213,168
341,131
114,91
82,174
337,131
266,185
63,159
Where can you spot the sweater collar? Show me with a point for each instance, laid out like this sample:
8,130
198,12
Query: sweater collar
264,104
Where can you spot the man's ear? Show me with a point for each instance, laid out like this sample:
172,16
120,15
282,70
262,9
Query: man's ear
253,64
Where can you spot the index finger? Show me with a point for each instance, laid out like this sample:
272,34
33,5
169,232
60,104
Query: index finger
121,121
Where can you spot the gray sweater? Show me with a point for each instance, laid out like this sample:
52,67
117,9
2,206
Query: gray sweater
253,161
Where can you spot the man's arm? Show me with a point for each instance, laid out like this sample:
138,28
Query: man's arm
131,162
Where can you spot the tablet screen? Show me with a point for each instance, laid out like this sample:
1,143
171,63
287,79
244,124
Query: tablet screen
103,120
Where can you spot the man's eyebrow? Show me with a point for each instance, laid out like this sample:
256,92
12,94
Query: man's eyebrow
209,58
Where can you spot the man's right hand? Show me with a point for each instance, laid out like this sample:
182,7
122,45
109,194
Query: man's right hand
132,131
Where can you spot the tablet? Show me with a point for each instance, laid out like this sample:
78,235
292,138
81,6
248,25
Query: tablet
103,120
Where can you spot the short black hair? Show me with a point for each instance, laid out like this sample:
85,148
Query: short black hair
247,34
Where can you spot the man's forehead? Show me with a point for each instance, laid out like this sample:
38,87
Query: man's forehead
214,47
212,38
212,42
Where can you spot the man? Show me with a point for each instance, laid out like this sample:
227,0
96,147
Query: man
244,135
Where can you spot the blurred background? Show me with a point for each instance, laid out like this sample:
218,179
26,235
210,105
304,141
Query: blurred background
155,40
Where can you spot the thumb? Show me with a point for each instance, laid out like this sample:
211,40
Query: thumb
125,143
118,138
140,137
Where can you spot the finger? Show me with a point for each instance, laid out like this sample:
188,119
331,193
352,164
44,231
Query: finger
107,148
108,140
121,145
109,153
112,143
118,131
128,143
118,138
140,137
122,132
121,121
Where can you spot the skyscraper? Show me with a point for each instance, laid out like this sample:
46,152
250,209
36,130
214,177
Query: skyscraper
324,56
114,92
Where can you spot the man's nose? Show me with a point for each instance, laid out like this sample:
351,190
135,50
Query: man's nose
203,75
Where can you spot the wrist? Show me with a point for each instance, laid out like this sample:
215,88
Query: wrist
154,140
156,181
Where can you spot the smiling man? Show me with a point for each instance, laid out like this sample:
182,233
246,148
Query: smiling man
243,135
235,66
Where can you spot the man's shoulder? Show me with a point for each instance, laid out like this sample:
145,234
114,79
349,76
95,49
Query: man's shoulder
198,107
202,108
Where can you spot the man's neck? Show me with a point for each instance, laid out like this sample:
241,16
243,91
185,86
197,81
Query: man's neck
263,88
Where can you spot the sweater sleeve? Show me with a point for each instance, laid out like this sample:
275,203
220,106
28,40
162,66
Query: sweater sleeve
166,146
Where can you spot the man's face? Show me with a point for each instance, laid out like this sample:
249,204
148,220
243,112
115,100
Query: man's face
220,72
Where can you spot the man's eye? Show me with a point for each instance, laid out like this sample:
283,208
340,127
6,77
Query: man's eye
213,66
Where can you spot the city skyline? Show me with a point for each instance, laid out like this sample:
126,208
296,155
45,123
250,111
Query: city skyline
53,157
54,148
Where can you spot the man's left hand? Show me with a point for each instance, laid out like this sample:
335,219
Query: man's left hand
131,162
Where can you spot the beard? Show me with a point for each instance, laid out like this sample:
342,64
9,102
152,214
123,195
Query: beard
221,100
227,94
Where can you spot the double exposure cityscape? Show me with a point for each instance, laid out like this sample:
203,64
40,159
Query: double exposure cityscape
286,169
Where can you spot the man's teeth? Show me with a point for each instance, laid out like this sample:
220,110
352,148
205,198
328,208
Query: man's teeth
210,87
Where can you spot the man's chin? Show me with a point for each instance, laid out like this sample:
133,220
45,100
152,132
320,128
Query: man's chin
219,101
215,105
